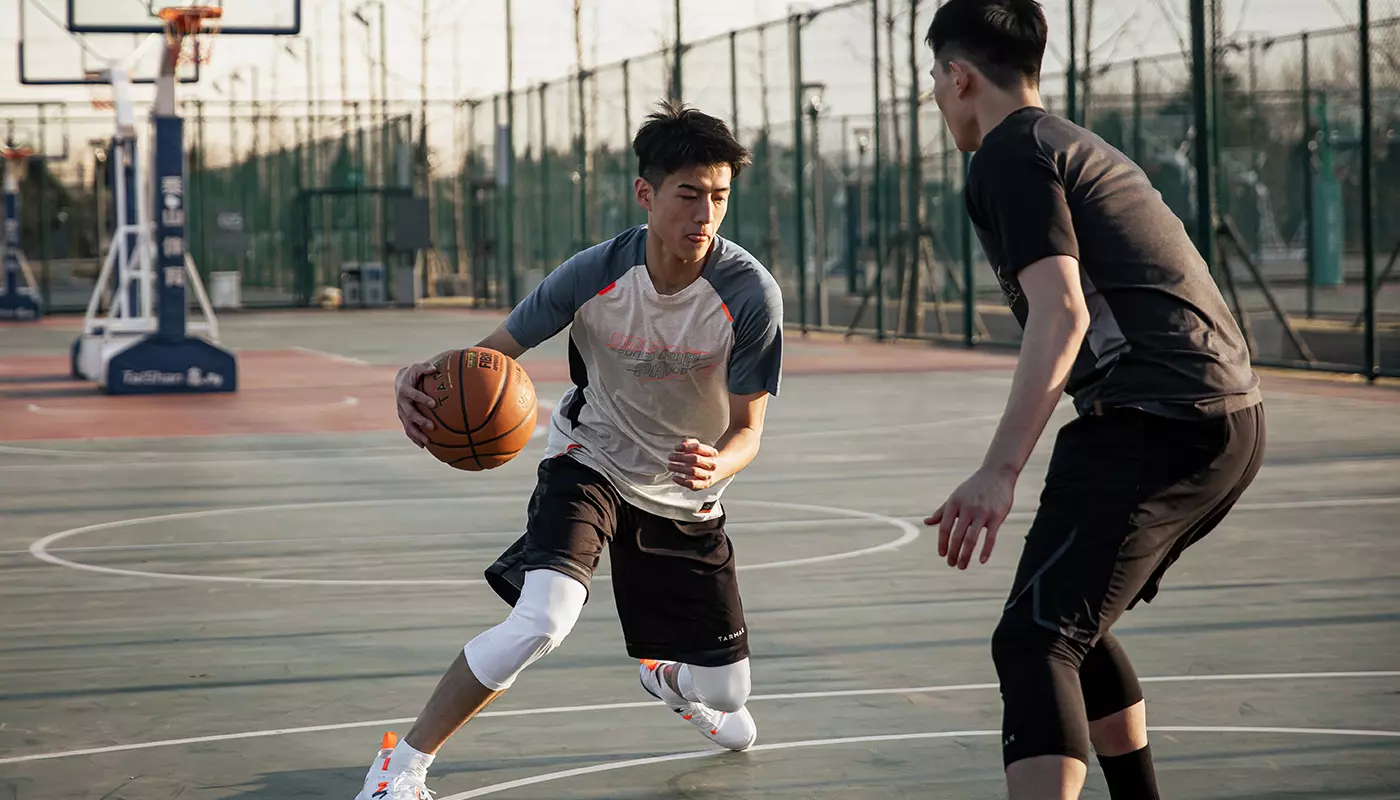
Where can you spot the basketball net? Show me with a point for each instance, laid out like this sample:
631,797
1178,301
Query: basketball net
190,32
100,90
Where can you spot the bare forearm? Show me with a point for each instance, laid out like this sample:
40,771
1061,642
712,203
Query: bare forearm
1051,343
737,449
502,342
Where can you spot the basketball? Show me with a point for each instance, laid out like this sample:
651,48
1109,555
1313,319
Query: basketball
485,412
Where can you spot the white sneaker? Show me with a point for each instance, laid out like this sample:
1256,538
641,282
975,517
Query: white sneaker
380,784
735,731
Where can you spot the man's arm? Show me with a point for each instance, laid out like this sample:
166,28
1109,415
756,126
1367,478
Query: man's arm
503,342
699,466
1055,326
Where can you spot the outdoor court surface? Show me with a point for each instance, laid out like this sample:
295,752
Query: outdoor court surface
234,597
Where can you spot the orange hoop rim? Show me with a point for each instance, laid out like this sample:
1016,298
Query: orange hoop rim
16,153
187,20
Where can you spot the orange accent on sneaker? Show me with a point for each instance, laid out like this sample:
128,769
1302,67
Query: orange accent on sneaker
686,717
387,759
650,663
390,740
714,731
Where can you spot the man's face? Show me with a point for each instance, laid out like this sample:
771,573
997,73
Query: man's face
952,90
687,208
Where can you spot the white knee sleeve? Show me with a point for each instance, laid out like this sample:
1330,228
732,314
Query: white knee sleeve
548,607
721,688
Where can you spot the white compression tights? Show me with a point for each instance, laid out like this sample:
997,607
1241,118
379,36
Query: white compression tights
549,605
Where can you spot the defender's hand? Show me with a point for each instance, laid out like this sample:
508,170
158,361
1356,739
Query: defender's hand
982,501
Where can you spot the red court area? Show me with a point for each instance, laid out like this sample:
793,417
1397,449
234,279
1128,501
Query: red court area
301,391
309,392
280,391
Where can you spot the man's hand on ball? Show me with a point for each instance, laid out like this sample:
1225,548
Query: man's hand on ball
413,405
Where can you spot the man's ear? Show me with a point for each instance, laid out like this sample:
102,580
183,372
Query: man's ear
644,193
962,77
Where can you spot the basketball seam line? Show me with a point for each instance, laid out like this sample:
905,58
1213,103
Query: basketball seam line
462,396
500,395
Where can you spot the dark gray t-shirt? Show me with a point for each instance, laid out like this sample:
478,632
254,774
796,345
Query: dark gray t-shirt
1160,337
649,369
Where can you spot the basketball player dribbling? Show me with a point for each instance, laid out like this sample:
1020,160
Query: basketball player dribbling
675,348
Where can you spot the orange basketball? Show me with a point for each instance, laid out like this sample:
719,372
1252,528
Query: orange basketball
485,412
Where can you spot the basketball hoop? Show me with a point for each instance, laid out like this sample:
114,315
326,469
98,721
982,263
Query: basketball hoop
14,162
16,155
190,30
100,90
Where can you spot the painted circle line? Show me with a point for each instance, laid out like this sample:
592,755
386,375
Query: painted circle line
758,698
41,548
888,737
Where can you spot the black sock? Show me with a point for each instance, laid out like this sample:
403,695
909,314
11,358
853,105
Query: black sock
1130,776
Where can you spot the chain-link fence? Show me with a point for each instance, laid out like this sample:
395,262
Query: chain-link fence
854,200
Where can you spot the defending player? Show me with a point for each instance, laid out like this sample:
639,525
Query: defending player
1119,310
674,350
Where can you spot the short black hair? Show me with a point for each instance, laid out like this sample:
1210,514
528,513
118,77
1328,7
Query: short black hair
1004,39
675,137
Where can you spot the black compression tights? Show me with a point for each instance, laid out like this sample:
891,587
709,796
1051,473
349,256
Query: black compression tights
1052,686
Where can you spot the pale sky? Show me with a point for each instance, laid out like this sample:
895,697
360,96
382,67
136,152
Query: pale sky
466,45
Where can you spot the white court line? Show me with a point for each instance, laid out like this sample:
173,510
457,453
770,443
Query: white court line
1345,502
347,401
818,431
397,537
759,698
332,356
40,549
367,453
264,456
497,788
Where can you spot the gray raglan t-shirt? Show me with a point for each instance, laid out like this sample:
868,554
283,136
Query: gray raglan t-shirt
651,370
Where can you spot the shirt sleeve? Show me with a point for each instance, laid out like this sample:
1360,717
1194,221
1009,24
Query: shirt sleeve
1017,196
552,305
756,362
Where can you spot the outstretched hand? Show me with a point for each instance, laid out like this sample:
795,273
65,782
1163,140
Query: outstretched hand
982,501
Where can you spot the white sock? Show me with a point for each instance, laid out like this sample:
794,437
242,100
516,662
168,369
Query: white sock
406,759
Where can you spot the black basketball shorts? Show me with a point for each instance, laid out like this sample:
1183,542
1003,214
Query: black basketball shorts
674,582
1126,494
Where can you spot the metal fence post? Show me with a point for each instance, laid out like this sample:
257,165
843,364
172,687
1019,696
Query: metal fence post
1137,111
969,275
913,322
512,279
1368,244
628,211
798,158
41,194
1309,221
876,184
734,197
1202,80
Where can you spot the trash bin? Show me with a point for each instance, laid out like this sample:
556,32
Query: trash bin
406,287
373,291
350,282
225,290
